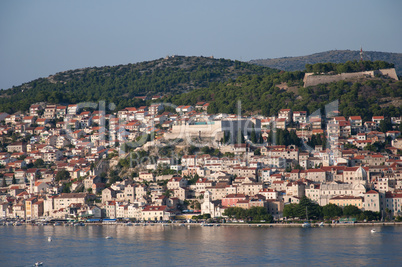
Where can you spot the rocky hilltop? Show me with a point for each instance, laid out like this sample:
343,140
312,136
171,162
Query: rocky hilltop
334,56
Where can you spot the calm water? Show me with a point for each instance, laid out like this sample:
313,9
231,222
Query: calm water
199,246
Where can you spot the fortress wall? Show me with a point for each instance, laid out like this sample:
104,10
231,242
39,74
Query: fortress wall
310,79
215,130
390,73
183,131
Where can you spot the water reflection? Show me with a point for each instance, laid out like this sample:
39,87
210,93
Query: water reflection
175,245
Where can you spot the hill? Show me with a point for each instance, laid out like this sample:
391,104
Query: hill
267,94
121,84
334,56
188,80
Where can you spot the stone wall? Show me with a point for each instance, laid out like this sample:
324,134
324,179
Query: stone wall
310,79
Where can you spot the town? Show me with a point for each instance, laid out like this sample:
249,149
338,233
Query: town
161,162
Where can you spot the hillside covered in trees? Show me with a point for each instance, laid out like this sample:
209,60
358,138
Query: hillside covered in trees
267,94
121,84
333,56
221,82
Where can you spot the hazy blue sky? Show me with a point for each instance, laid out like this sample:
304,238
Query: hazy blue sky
39,38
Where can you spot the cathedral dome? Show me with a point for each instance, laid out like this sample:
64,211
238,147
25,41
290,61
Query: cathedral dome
361,173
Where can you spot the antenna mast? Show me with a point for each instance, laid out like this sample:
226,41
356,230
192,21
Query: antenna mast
361,59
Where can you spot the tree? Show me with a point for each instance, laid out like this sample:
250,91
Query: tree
39,163
385,125
14,181
289,211
62,175
313,209
331,210
351,210
240,138
253,137
167,193
66,188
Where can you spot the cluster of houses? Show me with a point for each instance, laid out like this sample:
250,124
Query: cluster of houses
49,140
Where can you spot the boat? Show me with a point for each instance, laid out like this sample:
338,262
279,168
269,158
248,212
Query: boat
108,237
306,224
165,224
17,224
38,263
182,224
373,230
217,224
49,239
129,224
137,224
321,224
57,224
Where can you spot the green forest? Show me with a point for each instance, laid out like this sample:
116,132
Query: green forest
222,83
260,94
349,66
121,84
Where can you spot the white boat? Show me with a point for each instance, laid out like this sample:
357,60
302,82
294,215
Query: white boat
373,230
321,224
217,224
38,263
57,224
129,224
108,237
49,239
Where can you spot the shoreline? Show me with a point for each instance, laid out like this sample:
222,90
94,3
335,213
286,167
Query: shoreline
260,225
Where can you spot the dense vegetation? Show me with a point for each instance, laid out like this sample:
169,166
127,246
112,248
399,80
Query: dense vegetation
257,93
223,83
334,56
256,214
121,84
349,66
329,211
260,94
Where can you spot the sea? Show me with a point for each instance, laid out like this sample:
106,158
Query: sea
160,245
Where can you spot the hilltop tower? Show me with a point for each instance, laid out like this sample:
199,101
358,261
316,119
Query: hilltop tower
361,59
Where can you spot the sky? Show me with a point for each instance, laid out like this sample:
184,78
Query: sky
42,37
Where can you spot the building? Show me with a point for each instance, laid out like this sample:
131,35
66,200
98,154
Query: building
65,199
344,201
372,201
155,213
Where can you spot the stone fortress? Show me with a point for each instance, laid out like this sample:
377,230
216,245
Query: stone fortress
214,129
311,79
